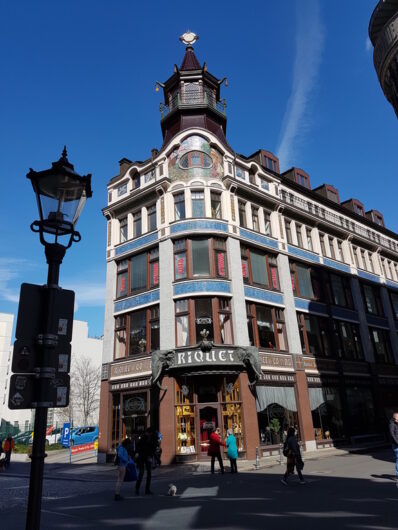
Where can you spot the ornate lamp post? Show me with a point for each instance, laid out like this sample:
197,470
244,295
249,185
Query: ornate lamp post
61,194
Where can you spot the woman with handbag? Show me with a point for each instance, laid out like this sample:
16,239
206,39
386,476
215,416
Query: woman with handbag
122,461
291,450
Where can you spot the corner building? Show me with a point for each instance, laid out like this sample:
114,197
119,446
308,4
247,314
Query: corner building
210,252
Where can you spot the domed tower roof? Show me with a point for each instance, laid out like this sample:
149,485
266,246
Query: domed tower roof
192,97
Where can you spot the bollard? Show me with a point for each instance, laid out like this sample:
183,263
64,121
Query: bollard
280,454
257,464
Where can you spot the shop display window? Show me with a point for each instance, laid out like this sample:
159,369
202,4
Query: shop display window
276,412
185,420
327,413
232,410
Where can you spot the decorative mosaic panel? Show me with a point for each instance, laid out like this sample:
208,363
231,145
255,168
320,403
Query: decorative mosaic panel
137,301
136,244
263,295
310,306
258,238
368,276
299,252
195,143
193,226
335,265
202,287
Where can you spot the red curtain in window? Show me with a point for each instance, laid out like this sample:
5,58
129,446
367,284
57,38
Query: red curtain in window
122,283
274,278
181,265
155,273
244,269
221,264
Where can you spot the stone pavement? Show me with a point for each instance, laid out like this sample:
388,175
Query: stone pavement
348,491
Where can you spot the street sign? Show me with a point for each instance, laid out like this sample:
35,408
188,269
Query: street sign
31,326
27,391
42,350
65,437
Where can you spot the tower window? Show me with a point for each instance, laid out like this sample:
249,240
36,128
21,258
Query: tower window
195,159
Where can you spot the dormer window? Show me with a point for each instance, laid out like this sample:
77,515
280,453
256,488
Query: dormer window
358,209
195,159
332,195
303,180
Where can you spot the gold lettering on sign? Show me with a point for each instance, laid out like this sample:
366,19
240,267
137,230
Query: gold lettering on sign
130,368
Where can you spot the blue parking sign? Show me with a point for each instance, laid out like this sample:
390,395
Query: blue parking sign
65,435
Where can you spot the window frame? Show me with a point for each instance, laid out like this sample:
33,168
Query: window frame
178,202
270,266
123,323
277,316
388,354
152,256
216,245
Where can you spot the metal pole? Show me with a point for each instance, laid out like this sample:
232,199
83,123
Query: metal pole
280,454
257,464
54,254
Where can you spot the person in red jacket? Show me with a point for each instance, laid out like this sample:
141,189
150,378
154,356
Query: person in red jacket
214,449
8,447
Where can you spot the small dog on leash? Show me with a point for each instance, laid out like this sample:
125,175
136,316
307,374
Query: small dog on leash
172,490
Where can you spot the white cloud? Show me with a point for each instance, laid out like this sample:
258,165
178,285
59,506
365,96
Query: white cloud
10,269
87,294
369,45
310,36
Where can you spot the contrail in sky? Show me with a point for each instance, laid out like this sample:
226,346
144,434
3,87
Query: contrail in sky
309,47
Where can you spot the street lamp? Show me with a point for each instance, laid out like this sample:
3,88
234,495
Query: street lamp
61,194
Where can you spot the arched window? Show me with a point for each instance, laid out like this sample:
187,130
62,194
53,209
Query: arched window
195,159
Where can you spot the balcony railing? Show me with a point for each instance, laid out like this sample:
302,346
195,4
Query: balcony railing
193,100
337,219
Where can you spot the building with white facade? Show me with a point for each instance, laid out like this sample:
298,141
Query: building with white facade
240,297
83,346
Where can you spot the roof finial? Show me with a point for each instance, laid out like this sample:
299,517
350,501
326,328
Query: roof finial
64,152
189,38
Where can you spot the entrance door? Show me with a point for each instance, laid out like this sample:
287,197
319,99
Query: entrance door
208,420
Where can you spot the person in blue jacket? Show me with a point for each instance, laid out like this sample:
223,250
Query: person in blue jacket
123,458
232,450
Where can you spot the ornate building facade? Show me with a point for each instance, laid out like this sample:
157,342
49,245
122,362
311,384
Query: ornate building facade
240,297
383,32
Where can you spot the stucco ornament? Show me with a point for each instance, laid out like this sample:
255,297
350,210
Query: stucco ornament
250,359
162,360
205,345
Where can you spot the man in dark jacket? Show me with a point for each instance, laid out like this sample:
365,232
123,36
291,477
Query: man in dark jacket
145,449
394,440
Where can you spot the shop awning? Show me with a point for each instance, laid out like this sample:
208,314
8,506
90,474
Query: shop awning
316,397
282,395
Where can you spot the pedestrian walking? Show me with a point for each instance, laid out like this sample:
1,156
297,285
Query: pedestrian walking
214,449
145,450
232,450
8,448
291,450
122,461
394,441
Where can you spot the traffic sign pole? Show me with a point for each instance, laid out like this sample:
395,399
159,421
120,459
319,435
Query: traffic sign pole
54,255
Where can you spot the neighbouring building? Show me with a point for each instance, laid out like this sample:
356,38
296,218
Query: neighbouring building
383,32
83,347
241,297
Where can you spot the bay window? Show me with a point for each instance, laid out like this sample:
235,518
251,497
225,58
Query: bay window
138,273
381,345
152,225
314,335
215,199
259,268
198,203
200,258
137,333
194,315
372,300
266,326
305,281
349,344
179,206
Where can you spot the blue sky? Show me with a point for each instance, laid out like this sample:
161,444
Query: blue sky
301,84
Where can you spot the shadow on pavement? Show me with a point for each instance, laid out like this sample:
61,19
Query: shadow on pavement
233,501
